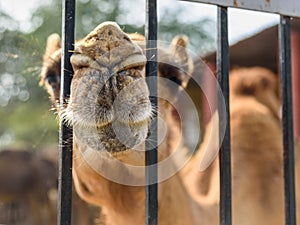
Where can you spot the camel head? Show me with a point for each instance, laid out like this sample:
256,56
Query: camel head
259,83
50,74
109,105
108,91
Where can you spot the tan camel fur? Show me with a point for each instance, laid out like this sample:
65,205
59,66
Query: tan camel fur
256,146
194,195
107,50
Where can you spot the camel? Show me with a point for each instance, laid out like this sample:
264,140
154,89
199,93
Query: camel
256,146
26,181
28,190
191,197
110,111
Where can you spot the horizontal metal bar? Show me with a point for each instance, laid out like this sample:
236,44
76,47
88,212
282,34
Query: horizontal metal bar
287,119
224,118
284,7
151,201
64,206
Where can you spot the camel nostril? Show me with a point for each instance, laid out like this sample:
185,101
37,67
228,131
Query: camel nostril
109,32
126,38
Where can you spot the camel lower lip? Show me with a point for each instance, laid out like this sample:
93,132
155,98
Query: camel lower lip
113,137
118,122
96,103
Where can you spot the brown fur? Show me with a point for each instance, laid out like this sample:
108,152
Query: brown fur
193,197
256,146
123,204
26,181
28,189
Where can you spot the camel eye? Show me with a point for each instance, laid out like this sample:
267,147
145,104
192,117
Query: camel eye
176,80
141,67
51,78
135,66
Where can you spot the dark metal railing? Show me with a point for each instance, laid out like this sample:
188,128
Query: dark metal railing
287,119
64,208
151,203
65,136
287,108
223,66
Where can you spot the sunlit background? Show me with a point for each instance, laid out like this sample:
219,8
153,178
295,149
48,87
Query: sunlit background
26,120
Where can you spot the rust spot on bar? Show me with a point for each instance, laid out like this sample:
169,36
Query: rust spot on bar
236,4
268,1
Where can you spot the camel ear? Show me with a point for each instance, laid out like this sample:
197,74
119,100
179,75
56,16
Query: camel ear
50,73
176,66
53,44
250,81
179,50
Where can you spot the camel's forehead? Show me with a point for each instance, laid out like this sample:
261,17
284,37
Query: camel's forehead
108,45
106,25
105,32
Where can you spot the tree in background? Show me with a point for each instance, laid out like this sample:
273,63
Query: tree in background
24,107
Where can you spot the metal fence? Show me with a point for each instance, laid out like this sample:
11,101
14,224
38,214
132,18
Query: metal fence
151,201
65,133
286,9
64,209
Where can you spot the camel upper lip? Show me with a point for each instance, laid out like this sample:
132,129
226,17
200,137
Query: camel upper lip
80,60
133,60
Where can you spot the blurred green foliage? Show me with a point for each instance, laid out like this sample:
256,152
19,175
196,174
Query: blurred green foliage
25,116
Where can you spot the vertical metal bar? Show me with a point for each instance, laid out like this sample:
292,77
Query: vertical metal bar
287,119
224,117
151,203
64,208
